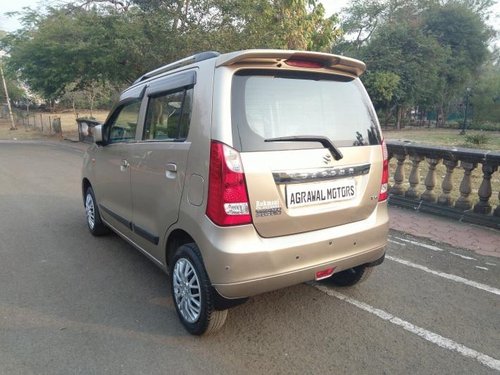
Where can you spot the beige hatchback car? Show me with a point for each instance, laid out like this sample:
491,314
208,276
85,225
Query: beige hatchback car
243,173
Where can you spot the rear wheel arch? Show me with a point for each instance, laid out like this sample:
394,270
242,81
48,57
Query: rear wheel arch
192,293
350,276
94,222
85,185
176,239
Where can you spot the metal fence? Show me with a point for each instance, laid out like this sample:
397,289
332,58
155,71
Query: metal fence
46,123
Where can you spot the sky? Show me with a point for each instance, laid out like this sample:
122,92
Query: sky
11,24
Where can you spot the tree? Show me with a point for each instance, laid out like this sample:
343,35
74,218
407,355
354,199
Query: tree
382,87
463,33
433,48
360,21
108,42
16,92
48,56
413,57
293,24
486,95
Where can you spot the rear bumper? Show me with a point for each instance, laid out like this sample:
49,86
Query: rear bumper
240,263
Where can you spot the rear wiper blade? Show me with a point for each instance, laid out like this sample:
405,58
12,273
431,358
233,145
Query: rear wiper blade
325,141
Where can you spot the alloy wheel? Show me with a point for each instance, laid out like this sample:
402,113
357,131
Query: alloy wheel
187,291
90,210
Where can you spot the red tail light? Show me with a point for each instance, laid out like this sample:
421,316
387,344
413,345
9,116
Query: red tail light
323,274
384,187
227,191
304,64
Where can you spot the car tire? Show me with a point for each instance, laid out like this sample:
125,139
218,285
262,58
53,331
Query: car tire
351,276
94,221
192,293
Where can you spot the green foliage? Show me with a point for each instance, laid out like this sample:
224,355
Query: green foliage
361,20
420,54
14,88
486,95
409,54
62,48
485,126
95,96
381,86
476,139
481,126
435,48
96,43
464,35
16,92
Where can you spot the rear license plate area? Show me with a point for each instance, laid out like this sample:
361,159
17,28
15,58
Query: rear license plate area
310,194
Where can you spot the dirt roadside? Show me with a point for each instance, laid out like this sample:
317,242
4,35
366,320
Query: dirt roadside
21,133
37,126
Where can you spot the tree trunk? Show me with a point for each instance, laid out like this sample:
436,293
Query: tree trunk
387,118
398,118
177,16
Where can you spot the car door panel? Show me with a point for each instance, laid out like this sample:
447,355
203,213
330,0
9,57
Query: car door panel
112,163
159,161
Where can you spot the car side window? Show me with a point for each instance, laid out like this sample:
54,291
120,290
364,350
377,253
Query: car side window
168,116
124,124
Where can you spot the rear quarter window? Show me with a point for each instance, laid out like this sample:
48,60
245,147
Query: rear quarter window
271,104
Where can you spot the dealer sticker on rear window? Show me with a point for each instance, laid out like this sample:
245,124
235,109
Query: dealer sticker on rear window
298,195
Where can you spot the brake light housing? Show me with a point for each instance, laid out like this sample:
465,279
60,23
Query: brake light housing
228,202
304,64
384,186
324,274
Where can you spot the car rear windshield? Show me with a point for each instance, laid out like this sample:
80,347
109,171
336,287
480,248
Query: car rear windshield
273,104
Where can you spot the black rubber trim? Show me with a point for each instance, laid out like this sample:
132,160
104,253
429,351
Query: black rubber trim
378,262
117,217
222,303
138,230
325,142
145,234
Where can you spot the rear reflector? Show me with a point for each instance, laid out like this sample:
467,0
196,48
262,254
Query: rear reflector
304,64
384,186
227,191
320,275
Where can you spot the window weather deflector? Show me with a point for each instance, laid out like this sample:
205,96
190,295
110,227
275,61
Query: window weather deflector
325,141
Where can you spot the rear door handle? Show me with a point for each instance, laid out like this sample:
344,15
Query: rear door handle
171,170
171,167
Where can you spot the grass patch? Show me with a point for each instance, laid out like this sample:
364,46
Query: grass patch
448,137
476,139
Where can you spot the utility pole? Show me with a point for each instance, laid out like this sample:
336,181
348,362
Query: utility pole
13,124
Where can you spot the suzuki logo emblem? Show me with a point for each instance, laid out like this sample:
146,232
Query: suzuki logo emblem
327,158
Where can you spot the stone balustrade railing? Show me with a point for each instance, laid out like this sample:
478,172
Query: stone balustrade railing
452,194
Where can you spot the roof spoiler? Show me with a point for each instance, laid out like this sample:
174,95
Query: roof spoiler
276,58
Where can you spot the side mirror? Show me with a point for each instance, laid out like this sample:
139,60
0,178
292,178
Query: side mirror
98,138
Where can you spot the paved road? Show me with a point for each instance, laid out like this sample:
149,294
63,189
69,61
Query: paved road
74,304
